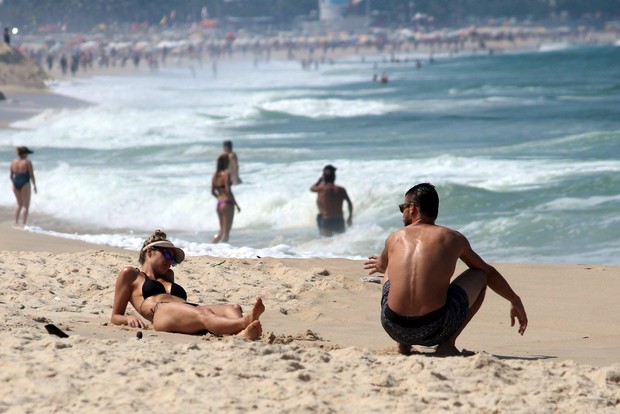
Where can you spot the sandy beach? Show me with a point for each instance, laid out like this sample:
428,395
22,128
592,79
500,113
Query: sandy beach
323,349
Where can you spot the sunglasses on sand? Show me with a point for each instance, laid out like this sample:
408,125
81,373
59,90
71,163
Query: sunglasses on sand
167,255
403,206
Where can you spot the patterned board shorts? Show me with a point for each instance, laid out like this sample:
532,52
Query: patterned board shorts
430,329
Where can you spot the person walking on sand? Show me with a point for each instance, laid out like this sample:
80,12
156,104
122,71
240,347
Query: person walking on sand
154,294
419,305
226,203
330,198
21,174
233,162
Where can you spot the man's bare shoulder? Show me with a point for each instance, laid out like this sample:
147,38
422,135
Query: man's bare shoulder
397,236
451,235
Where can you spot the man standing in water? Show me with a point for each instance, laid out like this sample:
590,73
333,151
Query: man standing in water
419,305
233,162
329,200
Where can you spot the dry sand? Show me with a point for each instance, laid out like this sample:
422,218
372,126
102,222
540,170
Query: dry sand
323,349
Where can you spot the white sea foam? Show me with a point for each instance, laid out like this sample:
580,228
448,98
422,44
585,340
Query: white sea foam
574,203
553,46
330,108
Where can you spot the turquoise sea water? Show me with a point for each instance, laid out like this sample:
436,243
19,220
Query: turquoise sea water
523,148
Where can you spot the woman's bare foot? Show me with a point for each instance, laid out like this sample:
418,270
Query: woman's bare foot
257,311
253,331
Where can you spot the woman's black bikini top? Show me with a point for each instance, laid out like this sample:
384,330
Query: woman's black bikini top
152,287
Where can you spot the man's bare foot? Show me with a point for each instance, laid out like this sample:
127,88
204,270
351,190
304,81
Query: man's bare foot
451,350
406,350
403,348
253,331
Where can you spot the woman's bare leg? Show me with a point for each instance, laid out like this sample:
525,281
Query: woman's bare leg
22,197
18,200
218,237
229,311
25,192
228,212
183,318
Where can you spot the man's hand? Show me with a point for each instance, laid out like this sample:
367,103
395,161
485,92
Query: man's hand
517,311
374,265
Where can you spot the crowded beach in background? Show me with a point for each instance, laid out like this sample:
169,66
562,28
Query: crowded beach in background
64,53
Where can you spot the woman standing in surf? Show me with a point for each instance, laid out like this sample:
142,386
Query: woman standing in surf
21,174
226,203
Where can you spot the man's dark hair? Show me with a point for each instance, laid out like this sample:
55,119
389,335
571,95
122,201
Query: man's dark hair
228,144
329,175
425,198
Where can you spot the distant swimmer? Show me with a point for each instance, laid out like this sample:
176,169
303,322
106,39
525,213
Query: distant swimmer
21,174
330,199
384,78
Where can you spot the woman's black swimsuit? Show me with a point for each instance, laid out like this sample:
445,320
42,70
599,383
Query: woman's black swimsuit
152,287
20,179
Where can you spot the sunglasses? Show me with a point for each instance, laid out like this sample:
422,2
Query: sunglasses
403,206
167,255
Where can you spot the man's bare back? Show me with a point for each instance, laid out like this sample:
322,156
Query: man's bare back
330,199
422,260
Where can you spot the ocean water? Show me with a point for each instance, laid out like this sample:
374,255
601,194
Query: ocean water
523,147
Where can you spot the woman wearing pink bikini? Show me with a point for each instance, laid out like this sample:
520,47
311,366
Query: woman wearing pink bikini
226,203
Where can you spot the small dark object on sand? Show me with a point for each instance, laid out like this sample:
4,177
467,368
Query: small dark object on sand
139,335
54,330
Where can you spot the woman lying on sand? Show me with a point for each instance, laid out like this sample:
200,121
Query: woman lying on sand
152,291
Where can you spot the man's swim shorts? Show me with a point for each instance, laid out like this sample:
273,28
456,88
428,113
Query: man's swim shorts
430,329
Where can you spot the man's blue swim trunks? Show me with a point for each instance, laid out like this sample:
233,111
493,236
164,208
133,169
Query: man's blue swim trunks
430,329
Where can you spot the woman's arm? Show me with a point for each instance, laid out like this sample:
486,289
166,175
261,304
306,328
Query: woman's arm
122,295
213,192
31,173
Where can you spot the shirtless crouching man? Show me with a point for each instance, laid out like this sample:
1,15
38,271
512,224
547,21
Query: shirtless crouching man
419,305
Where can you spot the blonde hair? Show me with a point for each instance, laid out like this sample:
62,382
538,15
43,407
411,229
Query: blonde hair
158,235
